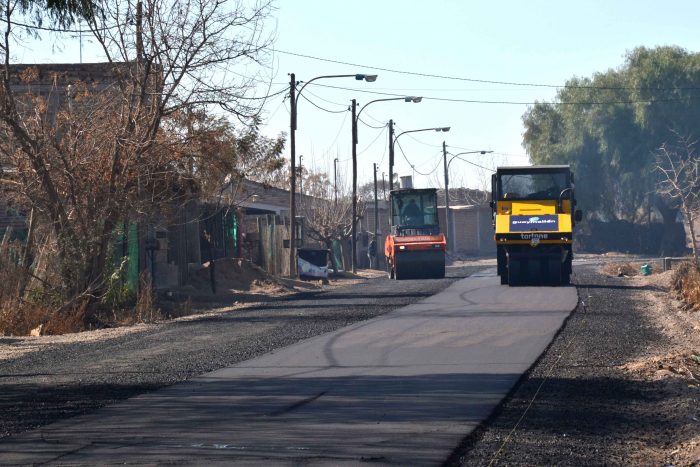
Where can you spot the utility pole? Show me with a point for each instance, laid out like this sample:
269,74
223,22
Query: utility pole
293,175
301,181
353,260
335,180
391,155
447,196
376,211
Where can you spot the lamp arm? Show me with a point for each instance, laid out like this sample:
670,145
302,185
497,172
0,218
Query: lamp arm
357,117
319,77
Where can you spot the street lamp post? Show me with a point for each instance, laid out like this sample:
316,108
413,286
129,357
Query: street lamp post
294,100
446,167
392,142
355,119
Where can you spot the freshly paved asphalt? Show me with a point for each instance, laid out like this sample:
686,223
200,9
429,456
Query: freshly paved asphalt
403,388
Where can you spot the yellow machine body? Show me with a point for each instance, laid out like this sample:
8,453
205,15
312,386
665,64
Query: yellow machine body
534,217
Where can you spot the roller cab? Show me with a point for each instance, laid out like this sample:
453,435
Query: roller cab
534,216
415,247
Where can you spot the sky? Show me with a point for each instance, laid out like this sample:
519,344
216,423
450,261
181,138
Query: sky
470,48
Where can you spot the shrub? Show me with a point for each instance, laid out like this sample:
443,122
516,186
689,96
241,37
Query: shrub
686,284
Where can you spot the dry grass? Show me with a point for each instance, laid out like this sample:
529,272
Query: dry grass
686,285
24,318
11,272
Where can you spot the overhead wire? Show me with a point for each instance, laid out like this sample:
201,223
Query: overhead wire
337,135
477,101
274,112
371,126
386,147
413,165
327,101
474,164
322,108
481,81
383,122
370,144
275,94
439,160
413,137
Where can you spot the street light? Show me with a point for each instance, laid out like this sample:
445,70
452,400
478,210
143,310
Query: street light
392,142
446,164
294,100
355,119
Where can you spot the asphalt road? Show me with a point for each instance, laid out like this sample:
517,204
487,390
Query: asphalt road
403,388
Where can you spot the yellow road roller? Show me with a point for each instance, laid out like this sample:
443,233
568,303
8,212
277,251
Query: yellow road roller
534,216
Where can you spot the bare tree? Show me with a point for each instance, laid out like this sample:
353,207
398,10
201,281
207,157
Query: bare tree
326,220
87,154
679,167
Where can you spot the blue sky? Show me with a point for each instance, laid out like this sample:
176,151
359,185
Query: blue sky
537,42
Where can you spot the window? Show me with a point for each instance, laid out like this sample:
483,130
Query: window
544,185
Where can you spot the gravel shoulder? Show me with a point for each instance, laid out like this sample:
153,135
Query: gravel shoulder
617,386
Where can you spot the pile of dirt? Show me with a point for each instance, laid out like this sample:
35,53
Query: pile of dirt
233,274
629,269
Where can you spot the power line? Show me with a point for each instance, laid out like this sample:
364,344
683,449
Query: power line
386,147
412,165
427,75
373,141
474,164
327,101
319,107
477,101
371,126
413,137
340,129
265,97
483,81
382,122
274,112
439,161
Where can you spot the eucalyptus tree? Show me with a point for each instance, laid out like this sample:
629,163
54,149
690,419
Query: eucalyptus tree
609,126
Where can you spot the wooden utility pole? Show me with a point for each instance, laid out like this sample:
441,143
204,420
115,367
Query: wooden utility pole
292,176
353,260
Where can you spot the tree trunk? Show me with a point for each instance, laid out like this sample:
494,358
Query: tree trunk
329,246
671,244
27,254
693,238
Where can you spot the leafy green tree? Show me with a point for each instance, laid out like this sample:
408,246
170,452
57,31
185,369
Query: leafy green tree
608,128
62,13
